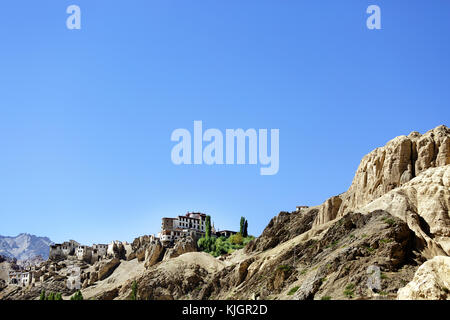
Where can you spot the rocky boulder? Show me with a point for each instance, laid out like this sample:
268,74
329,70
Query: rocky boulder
431,281
423,203
117,250
154,254
182,246
108,268
93,277
281,228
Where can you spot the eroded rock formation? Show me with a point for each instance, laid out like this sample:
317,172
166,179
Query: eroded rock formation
431,281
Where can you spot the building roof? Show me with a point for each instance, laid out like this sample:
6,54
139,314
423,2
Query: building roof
189,217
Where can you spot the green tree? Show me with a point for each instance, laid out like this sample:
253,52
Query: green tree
208,227
242,223
58,296
245,233
42,296
77,296
236,239
134,288
207,244
51,296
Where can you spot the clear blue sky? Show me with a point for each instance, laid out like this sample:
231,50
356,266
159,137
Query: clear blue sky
86,116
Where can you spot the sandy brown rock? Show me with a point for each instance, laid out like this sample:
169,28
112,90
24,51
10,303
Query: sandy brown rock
328,210
431,281
108,268
182,246
154,254
179,278
388,167
383,173
282,228
423,203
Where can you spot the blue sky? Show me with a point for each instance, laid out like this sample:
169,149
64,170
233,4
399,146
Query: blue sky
86,115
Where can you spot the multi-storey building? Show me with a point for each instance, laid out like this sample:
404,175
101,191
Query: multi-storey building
193,224
20,278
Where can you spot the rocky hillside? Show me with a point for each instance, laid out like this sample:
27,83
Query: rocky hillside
25,246
389,167
387,237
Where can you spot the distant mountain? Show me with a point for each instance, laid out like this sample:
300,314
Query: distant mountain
25,246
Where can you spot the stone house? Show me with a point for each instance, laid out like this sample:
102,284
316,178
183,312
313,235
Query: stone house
102,249
68,247
84,253
225,233
73,250
20,278
301,208
63,250
192,224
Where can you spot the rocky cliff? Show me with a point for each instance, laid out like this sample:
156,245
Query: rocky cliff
386,168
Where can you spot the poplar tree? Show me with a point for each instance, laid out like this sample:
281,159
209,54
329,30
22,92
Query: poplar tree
245,234
208,227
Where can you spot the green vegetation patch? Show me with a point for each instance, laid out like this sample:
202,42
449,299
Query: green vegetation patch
389,221
293,290
349,291
77,296
284,267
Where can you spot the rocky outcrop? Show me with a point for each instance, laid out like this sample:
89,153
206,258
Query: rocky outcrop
431,281
281,228
118,251
389,167
402,159
154,254
108,268
139,246
407,177
324,264
93,278
108,294
328,210
179,278
423,203
182,246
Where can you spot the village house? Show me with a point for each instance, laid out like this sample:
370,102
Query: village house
225,233
84,253
68,247
73,250
301,208
63,250
20,278
99,251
